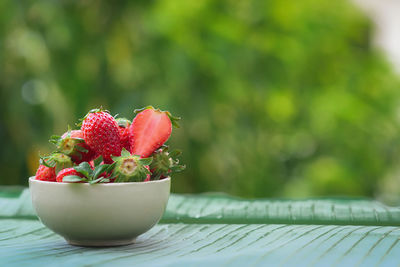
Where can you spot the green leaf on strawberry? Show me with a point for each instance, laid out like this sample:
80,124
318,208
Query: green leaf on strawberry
98,160
100,173
100,180
99,170
73,179
85,169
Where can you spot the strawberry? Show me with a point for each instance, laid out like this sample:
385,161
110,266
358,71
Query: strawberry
148,174
131,168
45,173
67,172
91,163
100,131
150,129
49,165
123,125
164,164
57,160
72,144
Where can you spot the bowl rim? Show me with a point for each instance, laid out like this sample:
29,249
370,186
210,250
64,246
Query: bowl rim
33,180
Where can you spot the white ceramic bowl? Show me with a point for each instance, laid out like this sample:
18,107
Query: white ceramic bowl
101,214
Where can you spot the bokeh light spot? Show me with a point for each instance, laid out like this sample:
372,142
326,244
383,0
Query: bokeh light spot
34,92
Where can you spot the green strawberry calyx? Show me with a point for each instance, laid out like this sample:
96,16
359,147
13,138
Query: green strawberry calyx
67,144
56,160
165,163
123,122
131,168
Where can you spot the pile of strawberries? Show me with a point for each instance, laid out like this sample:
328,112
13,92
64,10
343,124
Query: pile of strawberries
106,150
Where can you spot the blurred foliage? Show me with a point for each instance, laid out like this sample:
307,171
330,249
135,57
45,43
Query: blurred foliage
279,98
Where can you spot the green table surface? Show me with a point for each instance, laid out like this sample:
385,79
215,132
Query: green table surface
217,229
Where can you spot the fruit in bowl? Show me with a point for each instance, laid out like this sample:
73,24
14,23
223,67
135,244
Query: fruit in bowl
109,181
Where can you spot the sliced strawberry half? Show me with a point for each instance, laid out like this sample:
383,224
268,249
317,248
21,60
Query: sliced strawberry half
149,130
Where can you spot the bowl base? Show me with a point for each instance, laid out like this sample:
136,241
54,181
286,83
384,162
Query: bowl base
101,243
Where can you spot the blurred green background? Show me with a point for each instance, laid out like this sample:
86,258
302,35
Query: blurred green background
279,98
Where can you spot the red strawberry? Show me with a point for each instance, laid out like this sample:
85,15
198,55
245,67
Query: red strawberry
67,172
100,131
91,163
123,125
45,173
150,129
50,165
148,175
72,144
